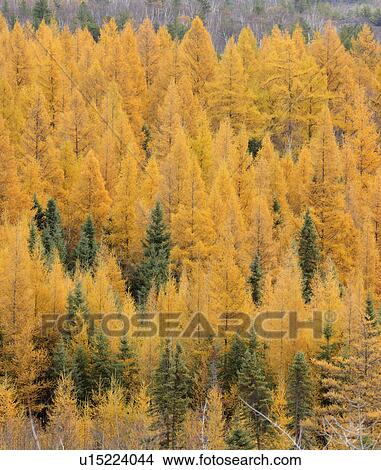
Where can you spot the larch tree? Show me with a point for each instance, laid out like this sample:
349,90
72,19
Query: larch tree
62,430
214,428
141,434
248,50
229,96
175,169
148,46
365,48
20,66
364,138
125,228
13,433
34,142
334,62
12,194
333,223
292,93
75,125
50,75
16,290
132,78
198,58
226,212
111,419
90,194
168,121
28,367
192,226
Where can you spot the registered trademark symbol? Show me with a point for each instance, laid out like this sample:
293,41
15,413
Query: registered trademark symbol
330,317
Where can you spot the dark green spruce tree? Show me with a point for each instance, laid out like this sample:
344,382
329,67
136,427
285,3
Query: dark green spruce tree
371,321
41,11
55,230
299,395
48,224
277,215
256,279
104,364
128,371
171,394
161,394
48,246
86,20
255,390
81,374
60,360
309,255
204,7
239,439
233,362
32,238
77,311
76,302
39,214
329,348
154,269
180,387
87,248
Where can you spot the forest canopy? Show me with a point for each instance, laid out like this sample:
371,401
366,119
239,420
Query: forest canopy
144,175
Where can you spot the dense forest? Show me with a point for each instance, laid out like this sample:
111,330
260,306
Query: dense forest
146,179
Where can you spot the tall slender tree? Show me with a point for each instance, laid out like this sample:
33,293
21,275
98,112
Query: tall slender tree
255,388
299,395
87,248
309,255
154,268
171,394
256,279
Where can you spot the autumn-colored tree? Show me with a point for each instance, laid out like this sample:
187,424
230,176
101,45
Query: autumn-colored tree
13,433
90,195
12,197
364,137
148,46
293,90
334,62
229,95
365,48
348,415
145,177
132,78
333,223
214,428
64,417
125,231
198,58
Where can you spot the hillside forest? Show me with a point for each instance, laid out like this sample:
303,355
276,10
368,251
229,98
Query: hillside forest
152,182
